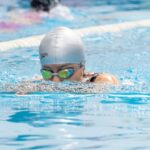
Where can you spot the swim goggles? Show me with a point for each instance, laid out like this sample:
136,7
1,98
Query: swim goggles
63,73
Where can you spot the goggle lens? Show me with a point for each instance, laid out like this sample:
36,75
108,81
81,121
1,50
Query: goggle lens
46,74
64,74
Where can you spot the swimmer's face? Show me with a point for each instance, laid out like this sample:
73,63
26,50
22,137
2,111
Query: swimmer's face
76,76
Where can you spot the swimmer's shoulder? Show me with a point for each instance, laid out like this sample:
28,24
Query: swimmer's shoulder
103,78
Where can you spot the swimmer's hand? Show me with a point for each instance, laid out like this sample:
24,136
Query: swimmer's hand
106,78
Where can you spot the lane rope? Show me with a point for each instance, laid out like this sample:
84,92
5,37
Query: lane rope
94,30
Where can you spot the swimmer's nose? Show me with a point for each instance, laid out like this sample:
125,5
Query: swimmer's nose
55,79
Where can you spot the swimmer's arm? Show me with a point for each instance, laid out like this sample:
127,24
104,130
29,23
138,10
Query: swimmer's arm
106,78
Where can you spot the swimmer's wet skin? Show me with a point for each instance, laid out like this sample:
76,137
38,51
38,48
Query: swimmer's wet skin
62,58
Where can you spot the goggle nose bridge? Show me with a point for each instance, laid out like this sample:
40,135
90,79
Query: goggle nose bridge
54,74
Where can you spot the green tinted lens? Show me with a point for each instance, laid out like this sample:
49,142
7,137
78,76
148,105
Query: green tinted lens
63,74
46,74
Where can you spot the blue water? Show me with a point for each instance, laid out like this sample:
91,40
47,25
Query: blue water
115,120
86,13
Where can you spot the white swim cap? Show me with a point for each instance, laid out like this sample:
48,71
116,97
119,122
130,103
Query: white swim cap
62,46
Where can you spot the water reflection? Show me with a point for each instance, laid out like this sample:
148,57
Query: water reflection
72,121
51,111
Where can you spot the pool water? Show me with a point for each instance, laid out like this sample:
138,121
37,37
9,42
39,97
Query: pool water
85,13
118,119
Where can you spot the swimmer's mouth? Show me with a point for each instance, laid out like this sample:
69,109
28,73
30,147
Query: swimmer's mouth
44,5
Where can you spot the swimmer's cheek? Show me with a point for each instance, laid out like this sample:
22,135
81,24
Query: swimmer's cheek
106,78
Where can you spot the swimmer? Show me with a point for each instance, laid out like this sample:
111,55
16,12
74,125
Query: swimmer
44,5
53,8
62,58
41,9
